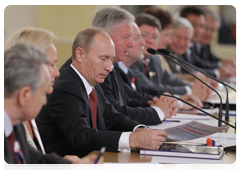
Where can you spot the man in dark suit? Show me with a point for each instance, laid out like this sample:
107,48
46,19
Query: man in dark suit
78,118
137,54
118,23
212,23
161,79
196,17
24,95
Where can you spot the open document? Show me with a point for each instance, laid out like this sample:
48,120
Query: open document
191,130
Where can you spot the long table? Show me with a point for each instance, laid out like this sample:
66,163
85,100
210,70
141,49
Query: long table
135,157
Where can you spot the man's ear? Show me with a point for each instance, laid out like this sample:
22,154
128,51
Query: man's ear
79,53
24,94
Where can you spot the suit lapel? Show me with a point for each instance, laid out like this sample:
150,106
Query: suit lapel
84,93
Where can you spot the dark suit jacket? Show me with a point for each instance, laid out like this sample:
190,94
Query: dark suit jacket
140,93
65,123
162,80
66,64
135,109
196,60
209,59
31,155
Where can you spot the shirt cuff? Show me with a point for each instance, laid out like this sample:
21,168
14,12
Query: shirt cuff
220,64
179,101
123,144
159,112
138,126
188,89
217,73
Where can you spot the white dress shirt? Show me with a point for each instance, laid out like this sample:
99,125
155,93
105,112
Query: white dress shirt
8,126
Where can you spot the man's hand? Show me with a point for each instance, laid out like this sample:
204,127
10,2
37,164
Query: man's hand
72,158
201,90
194,100
151,102
168,105
147,138
229,62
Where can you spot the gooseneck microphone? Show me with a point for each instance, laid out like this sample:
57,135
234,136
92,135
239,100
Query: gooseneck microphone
152,51
234,127
165,52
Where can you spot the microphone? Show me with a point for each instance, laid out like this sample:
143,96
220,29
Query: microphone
165,52
234,127
152,51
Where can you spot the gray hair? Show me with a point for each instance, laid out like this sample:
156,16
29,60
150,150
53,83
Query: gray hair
22,67
215,17
182,22
109,17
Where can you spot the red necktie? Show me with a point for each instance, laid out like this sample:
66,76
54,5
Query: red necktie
93,103
16,149
145,64
11,139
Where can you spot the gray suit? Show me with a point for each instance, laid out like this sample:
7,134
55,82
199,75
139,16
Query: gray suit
159,79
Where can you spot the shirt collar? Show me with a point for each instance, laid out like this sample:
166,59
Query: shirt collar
123,67
87,86
8,127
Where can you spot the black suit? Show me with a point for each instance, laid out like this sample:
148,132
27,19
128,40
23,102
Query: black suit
193,57
208,58
140,93
66,64
65,123
136,109
162,80
31,155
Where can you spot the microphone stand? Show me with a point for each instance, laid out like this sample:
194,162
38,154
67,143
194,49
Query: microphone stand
163,51
152,51
234,127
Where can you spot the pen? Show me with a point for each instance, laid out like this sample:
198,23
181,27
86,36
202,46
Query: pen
100,154
171,120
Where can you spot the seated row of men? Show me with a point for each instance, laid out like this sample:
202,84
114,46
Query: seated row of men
103,96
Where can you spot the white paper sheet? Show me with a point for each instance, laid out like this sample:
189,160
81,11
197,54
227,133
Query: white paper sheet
133,166
178,160
223,135
210,111
191,130
181,116
218,141
165,125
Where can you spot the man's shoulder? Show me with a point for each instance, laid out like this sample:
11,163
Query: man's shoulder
68,81
136,66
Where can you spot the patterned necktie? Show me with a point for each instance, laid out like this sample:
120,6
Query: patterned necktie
145,64
19,156
16,149
93,103
11,139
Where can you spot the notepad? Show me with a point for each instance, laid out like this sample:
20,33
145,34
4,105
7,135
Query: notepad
185,150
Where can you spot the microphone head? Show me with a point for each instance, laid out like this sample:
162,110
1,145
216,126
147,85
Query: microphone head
163,51
151,51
